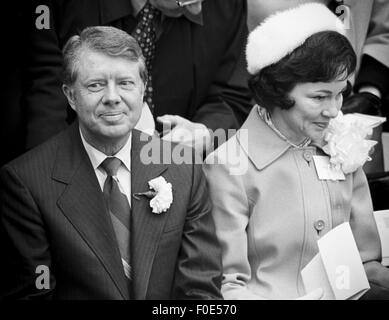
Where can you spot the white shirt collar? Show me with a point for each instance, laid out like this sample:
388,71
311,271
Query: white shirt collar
97,157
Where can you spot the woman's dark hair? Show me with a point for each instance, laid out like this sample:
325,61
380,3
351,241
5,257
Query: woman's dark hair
323,57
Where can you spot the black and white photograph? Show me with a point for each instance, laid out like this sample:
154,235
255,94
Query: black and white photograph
202,150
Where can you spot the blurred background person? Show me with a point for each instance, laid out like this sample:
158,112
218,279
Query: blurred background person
26,122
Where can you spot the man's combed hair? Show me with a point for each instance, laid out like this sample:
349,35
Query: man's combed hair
107,40
323,57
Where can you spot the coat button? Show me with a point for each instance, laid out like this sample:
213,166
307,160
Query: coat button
307,156
319,225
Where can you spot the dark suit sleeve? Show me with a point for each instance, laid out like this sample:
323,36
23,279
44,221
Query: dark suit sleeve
228,99
45,104
373,73
198,274
24,243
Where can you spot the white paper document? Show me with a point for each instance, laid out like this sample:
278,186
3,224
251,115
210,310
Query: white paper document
337,268
382,221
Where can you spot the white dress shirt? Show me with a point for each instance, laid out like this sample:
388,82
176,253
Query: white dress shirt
123,176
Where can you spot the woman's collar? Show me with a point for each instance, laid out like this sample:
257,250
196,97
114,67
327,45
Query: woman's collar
261,144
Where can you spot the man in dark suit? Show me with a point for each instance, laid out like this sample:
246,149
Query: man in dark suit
76,209
198,71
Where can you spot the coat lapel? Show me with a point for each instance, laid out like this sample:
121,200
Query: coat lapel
261,144
82,203
146,227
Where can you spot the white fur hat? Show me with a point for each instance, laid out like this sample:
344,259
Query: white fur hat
284,31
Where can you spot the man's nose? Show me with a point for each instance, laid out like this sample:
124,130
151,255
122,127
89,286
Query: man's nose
111,95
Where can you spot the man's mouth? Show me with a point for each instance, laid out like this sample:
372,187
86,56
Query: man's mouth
112,116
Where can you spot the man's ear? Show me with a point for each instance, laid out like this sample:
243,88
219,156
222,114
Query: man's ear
69,93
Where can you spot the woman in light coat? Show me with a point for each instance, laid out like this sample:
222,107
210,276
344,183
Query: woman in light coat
269,204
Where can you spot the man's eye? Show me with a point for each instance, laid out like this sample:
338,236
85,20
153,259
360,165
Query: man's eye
95,86
127,83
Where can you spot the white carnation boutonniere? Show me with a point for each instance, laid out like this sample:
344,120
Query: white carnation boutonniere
347,140
160,193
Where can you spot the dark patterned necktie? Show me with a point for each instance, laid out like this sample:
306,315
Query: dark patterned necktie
119,209
145,34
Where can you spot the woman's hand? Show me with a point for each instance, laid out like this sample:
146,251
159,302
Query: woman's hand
316,294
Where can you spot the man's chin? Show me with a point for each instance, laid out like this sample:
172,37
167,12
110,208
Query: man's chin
116,131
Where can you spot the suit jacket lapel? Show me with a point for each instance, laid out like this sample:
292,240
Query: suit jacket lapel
146,227
82,203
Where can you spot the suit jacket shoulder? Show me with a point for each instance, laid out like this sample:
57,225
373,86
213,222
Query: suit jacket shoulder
40,158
